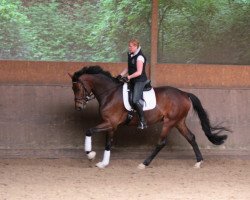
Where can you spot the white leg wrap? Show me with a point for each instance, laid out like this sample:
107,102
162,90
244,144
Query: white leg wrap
105,161
88,143
106,157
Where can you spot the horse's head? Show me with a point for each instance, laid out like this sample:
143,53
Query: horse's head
82,94
91,79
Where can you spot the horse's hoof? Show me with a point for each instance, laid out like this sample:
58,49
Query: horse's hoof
198,164
91,155
100,165
141,166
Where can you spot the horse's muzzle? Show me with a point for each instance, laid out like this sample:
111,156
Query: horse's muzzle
79,106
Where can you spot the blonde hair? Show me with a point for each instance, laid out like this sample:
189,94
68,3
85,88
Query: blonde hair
134,42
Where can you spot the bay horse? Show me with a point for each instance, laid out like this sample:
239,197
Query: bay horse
172,108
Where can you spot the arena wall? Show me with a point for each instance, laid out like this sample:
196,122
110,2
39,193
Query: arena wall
38,116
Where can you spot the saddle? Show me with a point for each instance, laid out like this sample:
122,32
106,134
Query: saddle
148,99
147,87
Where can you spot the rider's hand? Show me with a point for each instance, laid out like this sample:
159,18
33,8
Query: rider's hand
119,78
125,79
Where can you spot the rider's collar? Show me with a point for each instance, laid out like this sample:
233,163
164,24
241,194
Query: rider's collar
137,51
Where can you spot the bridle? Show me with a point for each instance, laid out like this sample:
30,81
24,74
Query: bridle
87,97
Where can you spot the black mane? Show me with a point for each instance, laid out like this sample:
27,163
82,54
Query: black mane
92,70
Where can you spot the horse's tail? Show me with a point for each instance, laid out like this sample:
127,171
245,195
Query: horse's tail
210,131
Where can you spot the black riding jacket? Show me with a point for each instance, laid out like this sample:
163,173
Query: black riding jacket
132,67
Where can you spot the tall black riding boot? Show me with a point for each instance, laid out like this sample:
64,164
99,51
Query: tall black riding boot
142,123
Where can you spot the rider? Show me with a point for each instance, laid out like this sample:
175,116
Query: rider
136,76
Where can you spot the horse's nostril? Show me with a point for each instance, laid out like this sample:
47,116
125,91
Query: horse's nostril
78,108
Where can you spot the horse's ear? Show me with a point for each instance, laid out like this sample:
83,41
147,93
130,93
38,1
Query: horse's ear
70,75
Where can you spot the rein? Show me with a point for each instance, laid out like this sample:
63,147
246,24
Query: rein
90,96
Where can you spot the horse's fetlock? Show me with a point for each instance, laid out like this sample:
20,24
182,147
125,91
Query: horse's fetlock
164,142
108,147
89,132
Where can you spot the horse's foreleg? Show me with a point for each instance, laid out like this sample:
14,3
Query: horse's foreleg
107,151
88,145
104,127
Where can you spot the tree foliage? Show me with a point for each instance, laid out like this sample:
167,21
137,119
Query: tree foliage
204,31
190,31
12,31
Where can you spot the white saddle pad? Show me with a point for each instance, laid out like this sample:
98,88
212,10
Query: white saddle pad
148,96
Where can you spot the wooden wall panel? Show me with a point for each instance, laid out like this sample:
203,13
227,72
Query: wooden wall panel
179,75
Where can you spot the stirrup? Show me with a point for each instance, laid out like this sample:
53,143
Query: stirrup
142,125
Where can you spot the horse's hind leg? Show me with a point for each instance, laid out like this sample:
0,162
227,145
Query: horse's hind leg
191,139
162,142
157,149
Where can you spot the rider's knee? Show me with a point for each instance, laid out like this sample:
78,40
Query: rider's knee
137,104
134,101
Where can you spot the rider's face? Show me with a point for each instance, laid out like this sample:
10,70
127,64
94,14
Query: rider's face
132,48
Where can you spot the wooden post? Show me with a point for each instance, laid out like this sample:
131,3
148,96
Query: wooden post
154,40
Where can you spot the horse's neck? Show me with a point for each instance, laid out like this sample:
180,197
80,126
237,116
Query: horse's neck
101,85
